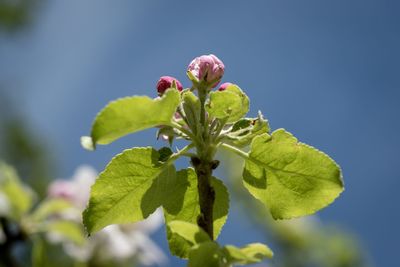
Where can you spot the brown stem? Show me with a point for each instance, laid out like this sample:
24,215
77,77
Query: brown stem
206,193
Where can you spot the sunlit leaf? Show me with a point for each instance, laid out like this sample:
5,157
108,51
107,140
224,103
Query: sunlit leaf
133,185
190,209
192,233
292,179
231,103
131,114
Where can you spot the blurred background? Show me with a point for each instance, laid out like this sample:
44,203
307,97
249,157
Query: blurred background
327,71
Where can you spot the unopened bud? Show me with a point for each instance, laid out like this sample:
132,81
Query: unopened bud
207,68
166,82
223,86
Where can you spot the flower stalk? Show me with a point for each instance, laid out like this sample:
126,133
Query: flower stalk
205,72
204,164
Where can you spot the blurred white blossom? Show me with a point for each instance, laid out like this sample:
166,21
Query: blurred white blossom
77,189
114,242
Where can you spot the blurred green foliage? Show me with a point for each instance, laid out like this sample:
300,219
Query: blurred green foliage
304,242
20,147
16,14
42,233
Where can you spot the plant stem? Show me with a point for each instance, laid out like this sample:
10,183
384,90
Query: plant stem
204,164
206,193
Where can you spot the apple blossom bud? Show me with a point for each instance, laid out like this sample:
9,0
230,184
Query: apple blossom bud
61,189
223,86
75,190
207,68
166,82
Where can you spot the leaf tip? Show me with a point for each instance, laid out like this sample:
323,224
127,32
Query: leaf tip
88,229
87,143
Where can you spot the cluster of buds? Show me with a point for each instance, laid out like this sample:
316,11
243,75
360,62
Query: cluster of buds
207,69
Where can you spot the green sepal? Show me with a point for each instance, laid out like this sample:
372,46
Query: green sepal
193,78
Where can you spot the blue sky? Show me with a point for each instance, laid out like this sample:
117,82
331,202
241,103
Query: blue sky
327,71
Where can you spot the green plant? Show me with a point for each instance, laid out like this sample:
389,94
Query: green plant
291,178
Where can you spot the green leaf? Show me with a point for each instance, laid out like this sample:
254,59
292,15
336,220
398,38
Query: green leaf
192,233
190,210
133,185
19,196
251,253
67,229
131,114
244,130
165,153
292,179
205,254
232,103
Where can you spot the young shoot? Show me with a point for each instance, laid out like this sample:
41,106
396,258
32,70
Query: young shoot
290,178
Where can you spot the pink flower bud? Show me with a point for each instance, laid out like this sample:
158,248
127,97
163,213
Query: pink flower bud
208,68
61,189
165,82
223,86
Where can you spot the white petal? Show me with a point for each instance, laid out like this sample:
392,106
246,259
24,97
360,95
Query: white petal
149,252
152,223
